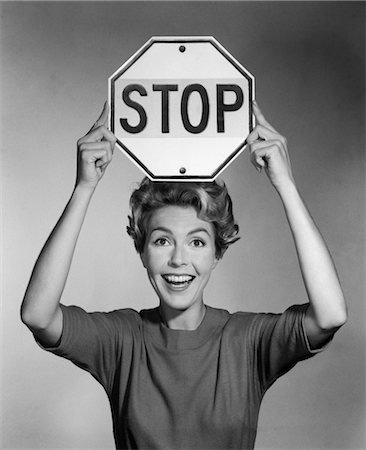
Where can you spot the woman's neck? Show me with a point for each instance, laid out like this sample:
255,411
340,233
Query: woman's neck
189,319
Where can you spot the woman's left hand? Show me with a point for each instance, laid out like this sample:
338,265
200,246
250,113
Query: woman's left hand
268,150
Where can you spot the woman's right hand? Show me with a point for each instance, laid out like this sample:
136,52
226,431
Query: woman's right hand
94,152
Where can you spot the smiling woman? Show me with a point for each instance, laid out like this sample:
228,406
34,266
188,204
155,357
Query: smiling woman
179,256
181,230
184,375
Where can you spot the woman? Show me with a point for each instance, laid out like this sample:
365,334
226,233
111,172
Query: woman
184,375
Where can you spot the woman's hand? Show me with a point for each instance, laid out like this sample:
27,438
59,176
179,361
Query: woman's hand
94,152
268,150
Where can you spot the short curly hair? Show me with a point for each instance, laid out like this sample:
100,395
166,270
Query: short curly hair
211,200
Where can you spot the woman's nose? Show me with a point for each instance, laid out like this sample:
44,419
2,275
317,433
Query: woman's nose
178,256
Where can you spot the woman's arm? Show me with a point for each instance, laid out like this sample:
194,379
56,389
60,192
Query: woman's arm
40,309
327,310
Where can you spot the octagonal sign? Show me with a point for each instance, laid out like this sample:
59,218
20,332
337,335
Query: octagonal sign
180,108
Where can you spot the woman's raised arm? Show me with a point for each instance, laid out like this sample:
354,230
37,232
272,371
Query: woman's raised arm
40,309
327,311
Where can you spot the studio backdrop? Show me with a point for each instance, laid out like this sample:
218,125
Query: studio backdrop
308,60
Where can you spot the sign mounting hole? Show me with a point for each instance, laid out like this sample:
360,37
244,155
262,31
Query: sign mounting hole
182,48
182,170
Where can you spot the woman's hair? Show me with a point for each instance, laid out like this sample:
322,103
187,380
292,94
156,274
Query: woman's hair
211,200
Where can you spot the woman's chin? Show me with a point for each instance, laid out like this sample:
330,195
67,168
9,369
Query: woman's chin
177,301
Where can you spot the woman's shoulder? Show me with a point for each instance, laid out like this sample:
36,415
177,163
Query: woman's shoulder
115,317
259,322
232,321
237,316
125,315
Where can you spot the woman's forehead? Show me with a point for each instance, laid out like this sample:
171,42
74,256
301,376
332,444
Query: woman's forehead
175,217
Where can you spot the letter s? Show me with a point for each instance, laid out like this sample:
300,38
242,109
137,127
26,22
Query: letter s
141,111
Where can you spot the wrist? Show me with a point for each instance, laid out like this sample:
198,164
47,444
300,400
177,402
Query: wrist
286,187
83,191
290,197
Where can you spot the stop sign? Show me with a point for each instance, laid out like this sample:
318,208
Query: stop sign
180,108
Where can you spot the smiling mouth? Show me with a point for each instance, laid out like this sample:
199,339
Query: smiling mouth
181,281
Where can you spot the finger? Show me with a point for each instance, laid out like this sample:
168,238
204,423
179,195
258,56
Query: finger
97,149
98,134
263,156
261,120
259,145
101,145
257,162
262,132
269,149
260,158
100,158
101,165
92,155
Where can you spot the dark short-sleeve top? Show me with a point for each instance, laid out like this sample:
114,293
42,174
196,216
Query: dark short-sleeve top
176,389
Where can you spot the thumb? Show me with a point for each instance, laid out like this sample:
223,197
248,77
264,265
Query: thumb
261,120
103,118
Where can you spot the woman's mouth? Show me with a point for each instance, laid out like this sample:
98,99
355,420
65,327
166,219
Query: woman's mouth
178,282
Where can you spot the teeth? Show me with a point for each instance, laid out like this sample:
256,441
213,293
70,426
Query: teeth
178,278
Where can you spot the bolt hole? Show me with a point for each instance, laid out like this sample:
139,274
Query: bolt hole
182,170
182,48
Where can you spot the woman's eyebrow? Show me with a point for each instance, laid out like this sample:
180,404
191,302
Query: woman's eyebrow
165,230
198,230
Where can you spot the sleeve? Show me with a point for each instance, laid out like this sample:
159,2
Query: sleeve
279,342
96,341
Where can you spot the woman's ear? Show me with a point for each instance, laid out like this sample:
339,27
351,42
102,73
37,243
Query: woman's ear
214,264
142,257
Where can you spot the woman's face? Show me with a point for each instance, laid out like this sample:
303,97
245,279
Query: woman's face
179,256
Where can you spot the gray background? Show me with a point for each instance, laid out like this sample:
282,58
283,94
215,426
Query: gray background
308,59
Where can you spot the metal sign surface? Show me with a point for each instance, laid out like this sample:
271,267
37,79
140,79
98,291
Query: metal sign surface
180,108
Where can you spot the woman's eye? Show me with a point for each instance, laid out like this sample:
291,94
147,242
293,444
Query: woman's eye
198,243
161,242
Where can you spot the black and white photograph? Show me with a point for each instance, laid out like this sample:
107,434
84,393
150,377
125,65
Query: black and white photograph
183,206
